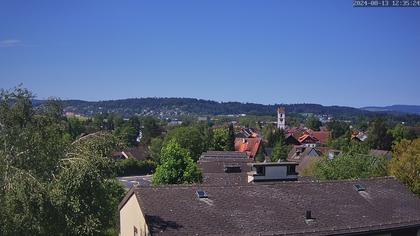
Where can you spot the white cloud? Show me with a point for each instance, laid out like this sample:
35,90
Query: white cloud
10,43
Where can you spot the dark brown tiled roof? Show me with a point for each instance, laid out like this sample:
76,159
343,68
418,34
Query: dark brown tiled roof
279,209
223,154
213,163
225,179
217,165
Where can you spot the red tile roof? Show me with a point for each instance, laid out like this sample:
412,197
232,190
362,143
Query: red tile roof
322,136
248,145
306,138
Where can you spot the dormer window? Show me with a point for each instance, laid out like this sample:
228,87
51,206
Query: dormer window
232,169
260,170
291,170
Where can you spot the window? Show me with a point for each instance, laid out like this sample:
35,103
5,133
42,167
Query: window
359,187
291,170
136,232
201,194
232,169
260,170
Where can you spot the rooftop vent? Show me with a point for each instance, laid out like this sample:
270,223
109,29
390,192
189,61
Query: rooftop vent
201,194
359,187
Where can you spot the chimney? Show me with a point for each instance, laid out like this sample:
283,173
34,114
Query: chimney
308,215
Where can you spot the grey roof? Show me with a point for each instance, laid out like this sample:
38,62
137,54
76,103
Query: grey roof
213,164
279,208
379,153
217,165
223,154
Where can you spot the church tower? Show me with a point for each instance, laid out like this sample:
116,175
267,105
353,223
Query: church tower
281,118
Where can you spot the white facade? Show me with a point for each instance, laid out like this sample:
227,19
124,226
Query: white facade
281,118
273,171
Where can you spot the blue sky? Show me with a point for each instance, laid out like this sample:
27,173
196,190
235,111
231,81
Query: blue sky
267,51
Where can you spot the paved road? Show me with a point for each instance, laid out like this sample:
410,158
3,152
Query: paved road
141,180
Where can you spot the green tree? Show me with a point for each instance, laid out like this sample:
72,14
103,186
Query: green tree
206,132
276,136
313,123
378,135
350,166
405,163
44,178
231,138
133,166
221,139
338,128
150,129
345,144
292,121
155,148
126,134
75,127
176,166
400,132
135,123
280,152
189,138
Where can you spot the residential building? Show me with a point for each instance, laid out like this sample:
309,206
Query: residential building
224,167
374,207
291,140
308,140
304,156
250,146
273,171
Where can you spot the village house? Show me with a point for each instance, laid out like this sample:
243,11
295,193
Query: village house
359,136
250,146
224,167
273,171
375,207
308,141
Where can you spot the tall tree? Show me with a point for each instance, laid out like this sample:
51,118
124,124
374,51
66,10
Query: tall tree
337,128
378,135
231,138
400,132
350,166
155,148
45,178
176,166
127,135
276,136
313,123
280,152
189,138
405,163
150,129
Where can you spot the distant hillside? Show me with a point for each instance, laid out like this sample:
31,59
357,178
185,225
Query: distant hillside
169,107
409,109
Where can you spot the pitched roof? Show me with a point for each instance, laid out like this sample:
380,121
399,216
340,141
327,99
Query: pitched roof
248,145
222,154
279,209
291,140
379,153
217,165
213,163
322,136
306,138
